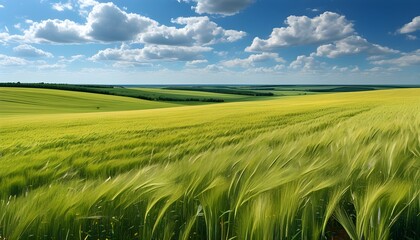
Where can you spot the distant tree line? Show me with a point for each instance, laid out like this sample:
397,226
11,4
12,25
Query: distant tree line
343,89
261,88
223,90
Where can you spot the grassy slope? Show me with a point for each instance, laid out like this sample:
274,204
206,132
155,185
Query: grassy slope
252,170
193,94
113,90
34,101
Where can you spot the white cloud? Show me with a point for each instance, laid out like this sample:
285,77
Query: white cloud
4,37
197,31
54,30
150,53
131,65
18,26
107,22
306,63
303,30
55,66
375,69
348,69
87,3
381,70
264,70
62,6
252,60
195,63
408,59
173,53
7,61
352,45
345,69
1,6
215,68
410,27
221,7
71,59
29,51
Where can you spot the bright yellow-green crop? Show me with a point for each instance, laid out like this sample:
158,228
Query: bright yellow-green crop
294,168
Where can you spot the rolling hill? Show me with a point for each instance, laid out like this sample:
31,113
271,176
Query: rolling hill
41,101
306,167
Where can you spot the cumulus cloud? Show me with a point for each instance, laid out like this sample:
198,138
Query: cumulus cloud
107,22
221,7
29,51
252,60
62,6
306,63
407,59
197,31
5,38
302,30
352,45
150,53
7,61
410,27
54,30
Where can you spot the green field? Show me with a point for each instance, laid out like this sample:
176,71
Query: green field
22,101
195,94
303,167
200,94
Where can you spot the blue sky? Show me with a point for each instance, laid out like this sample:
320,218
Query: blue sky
210,41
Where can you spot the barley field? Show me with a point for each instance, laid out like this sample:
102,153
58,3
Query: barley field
328,166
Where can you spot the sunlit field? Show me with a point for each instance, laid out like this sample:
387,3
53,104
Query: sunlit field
24,101
327,166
